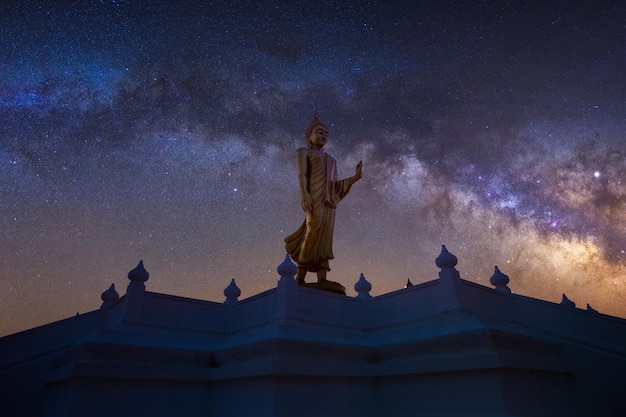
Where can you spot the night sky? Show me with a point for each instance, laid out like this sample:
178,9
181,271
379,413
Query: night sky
166,132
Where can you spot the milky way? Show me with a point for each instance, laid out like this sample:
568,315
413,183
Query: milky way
166,131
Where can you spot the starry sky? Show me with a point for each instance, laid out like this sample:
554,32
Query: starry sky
166,131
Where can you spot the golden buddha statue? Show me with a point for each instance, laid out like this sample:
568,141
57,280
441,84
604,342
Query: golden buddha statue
311,246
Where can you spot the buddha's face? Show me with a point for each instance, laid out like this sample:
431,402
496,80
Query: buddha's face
318,137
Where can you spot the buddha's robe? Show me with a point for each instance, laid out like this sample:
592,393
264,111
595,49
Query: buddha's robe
311,246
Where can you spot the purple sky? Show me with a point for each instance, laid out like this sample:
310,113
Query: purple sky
167,132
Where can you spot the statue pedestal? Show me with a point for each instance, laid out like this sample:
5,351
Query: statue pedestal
329,286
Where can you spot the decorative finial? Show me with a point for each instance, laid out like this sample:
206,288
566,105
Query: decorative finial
591,309
566,302
139,274
408,283
445,259
287,268
109,297
500,281
232,292
363,288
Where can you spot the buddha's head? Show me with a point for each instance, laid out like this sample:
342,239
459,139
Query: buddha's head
316,133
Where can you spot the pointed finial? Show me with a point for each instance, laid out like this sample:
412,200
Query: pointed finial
287,268
591,309
363,288
232,292
500,281
408,283
566,302
109,297
139,274
445,259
